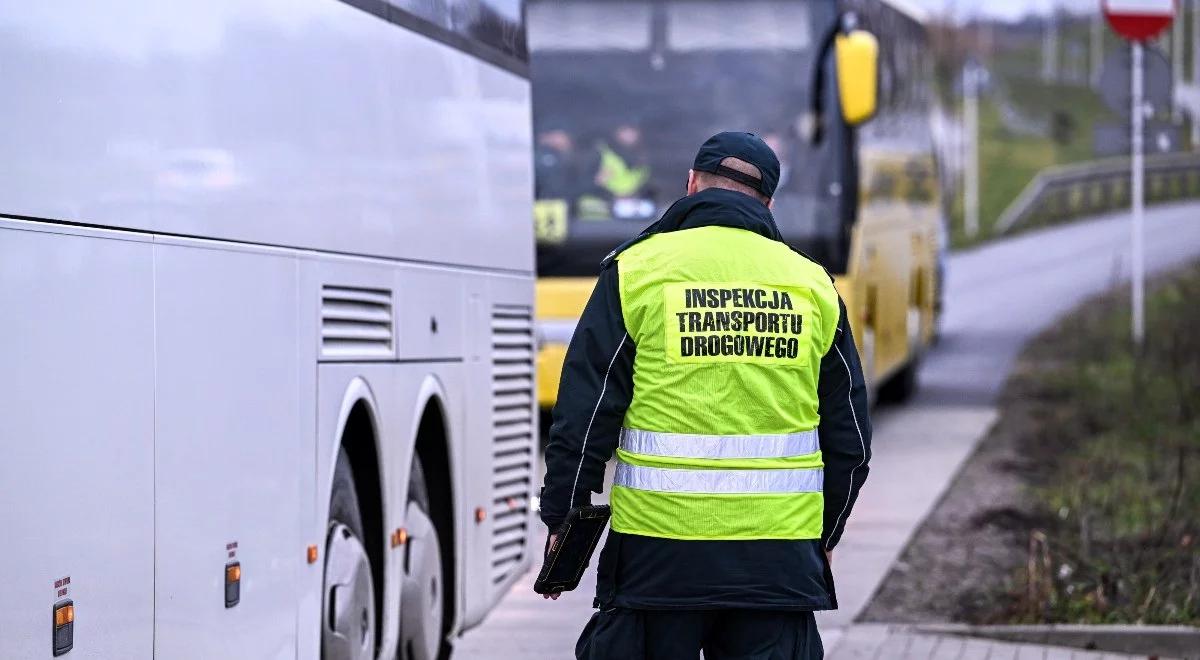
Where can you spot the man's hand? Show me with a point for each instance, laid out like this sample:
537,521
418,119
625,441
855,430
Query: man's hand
550,544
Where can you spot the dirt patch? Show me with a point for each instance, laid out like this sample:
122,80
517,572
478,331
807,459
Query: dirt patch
961,557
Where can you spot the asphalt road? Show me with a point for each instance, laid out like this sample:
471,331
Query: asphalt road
997,297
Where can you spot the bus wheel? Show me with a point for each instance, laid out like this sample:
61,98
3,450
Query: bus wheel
903,385
868,364
421,592
348,592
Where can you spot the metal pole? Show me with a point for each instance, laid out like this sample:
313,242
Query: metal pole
1176,66
971,167
1136,199
1097,50
1050,45
1195,41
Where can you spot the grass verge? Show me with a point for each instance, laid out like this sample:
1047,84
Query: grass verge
1118,448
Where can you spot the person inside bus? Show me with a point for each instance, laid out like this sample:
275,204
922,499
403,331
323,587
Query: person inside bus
555,164
719,366
624,164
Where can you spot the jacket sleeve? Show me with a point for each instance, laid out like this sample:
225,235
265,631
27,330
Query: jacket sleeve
845,428
595,389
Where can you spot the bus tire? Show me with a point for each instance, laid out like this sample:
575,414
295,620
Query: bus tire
348,585
903,384
423,579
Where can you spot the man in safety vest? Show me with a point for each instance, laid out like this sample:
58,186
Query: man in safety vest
718,365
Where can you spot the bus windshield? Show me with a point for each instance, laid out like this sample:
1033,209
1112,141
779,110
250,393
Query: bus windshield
626,91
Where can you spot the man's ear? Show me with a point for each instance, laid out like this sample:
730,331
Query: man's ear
691,182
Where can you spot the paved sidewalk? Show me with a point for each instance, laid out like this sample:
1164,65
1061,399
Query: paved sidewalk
883,642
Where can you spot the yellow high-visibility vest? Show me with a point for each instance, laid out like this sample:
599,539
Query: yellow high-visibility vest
620,179
720,440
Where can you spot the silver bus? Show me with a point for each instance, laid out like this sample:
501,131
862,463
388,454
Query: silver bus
266,357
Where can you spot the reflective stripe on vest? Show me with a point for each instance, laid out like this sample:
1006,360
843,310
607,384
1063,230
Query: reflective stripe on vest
686,445
670,480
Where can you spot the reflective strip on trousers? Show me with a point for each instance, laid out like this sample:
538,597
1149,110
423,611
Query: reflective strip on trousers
671,480
684,445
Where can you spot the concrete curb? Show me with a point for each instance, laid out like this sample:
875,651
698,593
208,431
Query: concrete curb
1169,641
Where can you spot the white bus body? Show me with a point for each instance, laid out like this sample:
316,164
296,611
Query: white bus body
236,237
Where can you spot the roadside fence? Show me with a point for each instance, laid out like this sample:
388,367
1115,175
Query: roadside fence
1062,192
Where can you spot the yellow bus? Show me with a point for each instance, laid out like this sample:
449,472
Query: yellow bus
625,91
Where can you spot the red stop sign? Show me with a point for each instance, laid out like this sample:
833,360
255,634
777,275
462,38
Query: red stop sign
1138,20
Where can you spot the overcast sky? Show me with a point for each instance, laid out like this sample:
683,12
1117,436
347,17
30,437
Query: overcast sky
1009,9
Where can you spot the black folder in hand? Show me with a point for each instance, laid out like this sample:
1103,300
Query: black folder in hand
572,551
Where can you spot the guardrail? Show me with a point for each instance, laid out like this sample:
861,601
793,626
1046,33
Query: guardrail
1066,191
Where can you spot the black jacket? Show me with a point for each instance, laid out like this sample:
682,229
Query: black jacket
596,389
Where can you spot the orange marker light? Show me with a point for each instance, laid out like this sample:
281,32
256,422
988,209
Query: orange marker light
399,537
233,584
64,615
63,632
480,514
312,554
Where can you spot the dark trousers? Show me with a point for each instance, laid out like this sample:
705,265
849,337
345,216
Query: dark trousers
622,634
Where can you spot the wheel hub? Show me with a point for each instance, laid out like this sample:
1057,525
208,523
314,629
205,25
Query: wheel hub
421,591
348,612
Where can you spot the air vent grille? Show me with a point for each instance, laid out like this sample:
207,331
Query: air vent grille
513,433
356,323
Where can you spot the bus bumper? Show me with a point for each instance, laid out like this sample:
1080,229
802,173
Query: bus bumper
549,372
560,302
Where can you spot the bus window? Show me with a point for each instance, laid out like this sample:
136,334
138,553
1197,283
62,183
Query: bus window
584,27
706,25
497,24
627,91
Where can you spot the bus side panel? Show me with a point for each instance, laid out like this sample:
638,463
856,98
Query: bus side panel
76,427
229,453
475,467
894,269
304,123
500,453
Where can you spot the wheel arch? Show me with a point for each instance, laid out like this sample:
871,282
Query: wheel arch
433,446
358,433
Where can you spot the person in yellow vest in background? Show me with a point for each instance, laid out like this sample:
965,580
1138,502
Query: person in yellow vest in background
718,365
623,171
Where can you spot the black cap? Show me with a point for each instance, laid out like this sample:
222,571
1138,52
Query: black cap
743,146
